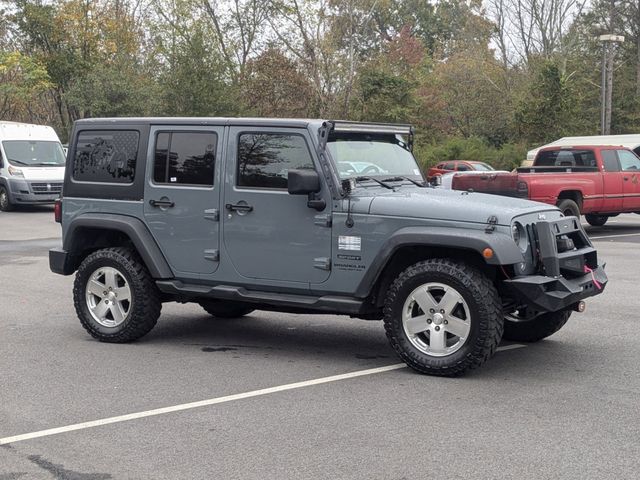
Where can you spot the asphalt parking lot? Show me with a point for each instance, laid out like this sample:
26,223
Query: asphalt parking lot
567,407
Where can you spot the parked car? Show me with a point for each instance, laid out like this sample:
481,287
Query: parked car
201,210
31,165
596,181
446,180
457,166
630,141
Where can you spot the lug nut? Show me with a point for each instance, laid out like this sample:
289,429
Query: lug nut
446,322
428,320
105,292
431,310
441,311
437,329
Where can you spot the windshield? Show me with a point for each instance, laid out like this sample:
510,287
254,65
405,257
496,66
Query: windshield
34,153
364,154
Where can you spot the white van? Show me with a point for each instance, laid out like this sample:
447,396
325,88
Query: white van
631,141
31,165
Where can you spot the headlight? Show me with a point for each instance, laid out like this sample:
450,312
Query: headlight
16,172
520,236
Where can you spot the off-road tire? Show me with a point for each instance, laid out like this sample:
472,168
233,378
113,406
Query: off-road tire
224,309
536,329
569,207
482,299
5,203
596,220
145,296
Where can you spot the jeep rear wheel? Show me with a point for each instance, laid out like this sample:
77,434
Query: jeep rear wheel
5,203
115,298
443,317
223,309
520,330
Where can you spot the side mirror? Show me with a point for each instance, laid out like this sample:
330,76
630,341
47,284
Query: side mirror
303,182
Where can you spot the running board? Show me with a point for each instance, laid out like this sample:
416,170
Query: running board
327,303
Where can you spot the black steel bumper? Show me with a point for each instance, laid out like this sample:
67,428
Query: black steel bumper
61,262
548,294
568,266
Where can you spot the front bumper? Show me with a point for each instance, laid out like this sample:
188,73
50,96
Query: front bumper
568,269
33,192
548,294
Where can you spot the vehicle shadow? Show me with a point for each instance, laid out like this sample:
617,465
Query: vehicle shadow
31,209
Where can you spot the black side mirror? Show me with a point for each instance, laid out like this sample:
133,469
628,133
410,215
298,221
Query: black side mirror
303,182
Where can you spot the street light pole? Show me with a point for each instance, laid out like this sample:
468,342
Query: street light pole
606,87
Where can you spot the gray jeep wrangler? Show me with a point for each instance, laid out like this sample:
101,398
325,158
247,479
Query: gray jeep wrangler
309,216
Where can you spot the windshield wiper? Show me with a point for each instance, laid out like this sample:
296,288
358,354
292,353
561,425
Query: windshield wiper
13,160
379,182
408,179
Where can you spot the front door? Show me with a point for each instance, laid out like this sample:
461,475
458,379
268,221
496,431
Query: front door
630,166
182,201
268,233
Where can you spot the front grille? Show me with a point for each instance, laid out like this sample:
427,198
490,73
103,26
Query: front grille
46,188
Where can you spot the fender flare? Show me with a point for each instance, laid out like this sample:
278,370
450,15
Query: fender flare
506,252
133,227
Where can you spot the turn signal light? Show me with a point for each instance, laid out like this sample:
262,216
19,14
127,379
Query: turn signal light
57,210
487,253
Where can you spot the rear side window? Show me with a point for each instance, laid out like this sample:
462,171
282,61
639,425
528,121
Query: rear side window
185,158
449,166
463,167
106,156
264,159
610,160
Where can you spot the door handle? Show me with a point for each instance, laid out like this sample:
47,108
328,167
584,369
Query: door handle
238,207
626,178
161,203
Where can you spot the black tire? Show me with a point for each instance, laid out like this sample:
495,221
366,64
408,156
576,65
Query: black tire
569,207
596,220
536,329
485,322
145,305
223,309
5,202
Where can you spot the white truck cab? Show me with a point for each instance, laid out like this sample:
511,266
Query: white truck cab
31,165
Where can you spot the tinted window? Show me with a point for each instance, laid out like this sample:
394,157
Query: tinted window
449,166
106,156
628,160
610,160
463,167
566,158
264,159
185,158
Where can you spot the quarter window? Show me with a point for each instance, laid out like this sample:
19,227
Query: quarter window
264,159
185,158
106,156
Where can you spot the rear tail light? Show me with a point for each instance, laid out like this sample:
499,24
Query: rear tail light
57,210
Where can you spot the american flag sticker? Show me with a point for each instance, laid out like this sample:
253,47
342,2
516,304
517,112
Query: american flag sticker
353,244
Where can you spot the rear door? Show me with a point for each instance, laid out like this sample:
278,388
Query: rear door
182,201
269,234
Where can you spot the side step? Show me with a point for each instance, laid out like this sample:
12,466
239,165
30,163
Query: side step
327,303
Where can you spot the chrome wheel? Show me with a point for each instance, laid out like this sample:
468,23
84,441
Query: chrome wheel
108,296
436,319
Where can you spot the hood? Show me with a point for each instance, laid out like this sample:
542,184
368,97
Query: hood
450,205
55,174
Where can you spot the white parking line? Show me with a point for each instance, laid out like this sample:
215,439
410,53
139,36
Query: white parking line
616,236
211,401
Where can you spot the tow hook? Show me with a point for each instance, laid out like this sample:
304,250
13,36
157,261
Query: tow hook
580,306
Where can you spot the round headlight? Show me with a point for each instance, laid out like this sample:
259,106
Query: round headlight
519,236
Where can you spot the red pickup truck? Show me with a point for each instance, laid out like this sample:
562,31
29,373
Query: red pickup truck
598,182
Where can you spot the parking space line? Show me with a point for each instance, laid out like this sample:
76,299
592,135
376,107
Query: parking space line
211,401
616,236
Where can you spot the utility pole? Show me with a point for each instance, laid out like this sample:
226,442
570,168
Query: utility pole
606,87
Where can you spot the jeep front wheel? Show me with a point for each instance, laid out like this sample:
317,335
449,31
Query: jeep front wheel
115,297
519,329
223,309
443,317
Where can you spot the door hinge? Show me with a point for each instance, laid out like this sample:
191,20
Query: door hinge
213,255
212,214
322,220
322,263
